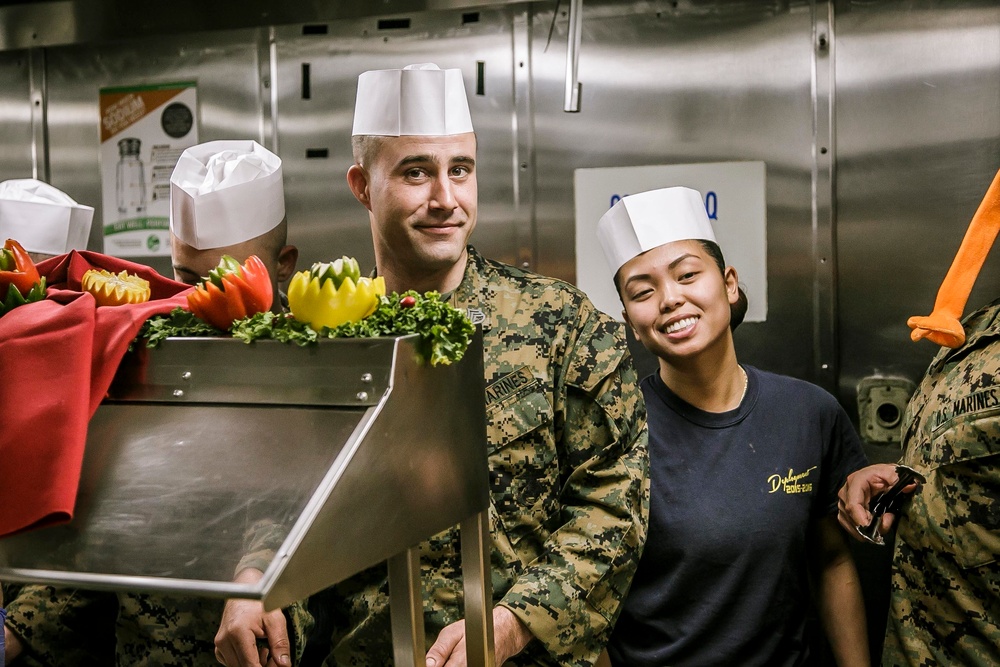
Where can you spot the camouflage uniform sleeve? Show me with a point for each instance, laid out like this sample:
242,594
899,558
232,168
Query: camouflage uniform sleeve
570,596
260,545
63,626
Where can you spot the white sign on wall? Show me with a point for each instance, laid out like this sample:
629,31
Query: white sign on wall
734,199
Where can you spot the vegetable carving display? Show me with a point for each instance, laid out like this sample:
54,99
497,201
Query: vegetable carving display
115,289
19,279
333,293
332,300
232,292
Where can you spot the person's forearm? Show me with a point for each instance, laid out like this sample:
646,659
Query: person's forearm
510,635
841,607
843,613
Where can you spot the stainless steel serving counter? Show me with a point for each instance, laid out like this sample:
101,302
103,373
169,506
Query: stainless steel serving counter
335,457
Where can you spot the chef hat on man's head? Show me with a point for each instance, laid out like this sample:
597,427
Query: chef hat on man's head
641,222
42,218
225,192
416,100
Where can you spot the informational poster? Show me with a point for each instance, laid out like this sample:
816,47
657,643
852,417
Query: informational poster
144,130
734,194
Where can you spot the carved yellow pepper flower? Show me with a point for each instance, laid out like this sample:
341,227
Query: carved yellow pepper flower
332,293
110,289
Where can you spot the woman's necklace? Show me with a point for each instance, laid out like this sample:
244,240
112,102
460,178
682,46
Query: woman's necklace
746,383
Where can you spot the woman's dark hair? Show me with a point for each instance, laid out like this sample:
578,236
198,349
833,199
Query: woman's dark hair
738,310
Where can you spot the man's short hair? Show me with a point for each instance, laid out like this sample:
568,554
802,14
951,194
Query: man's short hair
365,147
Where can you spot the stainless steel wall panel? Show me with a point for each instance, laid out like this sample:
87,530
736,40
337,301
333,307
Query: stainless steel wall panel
47,23
15,116
700,82
230,101
918,127
325,220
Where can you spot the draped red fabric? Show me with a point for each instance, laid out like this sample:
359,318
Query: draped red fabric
57,360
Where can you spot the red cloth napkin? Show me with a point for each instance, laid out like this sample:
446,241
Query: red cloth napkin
57,360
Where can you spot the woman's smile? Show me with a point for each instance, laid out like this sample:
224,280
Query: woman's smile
681,328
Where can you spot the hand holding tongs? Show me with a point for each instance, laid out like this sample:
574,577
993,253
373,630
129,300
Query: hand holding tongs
888,502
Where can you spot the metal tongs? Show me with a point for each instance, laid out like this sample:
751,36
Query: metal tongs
888,502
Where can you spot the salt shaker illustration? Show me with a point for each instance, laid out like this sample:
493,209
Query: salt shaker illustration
131,190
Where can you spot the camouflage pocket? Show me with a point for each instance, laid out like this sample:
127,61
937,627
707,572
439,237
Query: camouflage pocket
965,486
514,416
524,470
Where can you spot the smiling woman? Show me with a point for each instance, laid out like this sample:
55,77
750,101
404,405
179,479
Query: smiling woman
744,466
678,303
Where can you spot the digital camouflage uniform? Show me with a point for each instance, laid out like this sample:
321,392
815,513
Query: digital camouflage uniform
63,626
945,600
568,463
160,630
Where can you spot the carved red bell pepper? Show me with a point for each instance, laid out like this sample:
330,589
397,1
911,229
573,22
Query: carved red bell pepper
232,292
16,268
19,279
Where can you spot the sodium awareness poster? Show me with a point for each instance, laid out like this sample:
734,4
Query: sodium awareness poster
144,130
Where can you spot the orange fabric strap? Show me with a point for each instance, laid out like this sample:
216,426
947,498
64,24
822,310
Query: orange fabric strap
942,326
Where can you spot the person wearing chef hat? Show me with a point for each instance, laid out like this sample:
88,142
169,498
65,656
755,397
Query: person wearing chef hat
47,222
43,219
744,465
944,605
565,422
227,198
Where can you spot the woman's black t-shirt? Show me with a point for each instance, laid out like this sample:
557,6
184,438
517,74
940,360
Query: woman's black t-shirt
723,578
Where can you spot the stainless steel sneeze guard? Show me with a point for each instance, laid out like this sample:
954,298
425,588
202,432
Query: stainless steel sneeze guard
338,456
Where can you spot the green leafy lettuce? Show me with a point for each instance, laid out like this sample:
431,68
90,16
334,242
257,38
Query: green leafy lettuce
444,331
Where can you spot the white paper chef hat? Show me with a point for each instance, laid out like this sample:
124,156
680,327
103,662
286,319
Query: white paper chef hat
225,192
42,218
641,222
416,100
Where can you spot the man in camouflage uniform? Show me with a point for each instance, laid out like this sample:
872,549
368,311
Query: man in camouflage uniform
565,421
945,597
77,628
945,600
